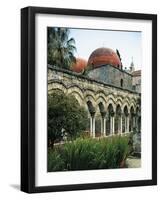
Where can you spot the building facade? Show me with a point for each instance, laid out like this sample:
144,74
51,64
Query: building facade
106,91
111,110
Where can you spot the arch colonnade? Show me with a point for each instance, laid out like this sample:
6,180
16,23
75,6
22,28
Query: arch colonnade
112,121
108,113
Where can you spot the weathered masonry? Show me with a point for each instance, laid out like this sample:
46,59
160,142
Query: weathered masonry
112,75
111,109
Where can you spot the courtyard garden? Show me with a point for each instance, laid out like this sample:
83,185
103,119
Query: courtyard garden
89,153
70,146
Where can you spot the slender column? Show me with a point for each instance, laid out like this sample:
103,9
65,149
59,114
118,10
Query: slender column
91,126
102,121
121,124
104,126
134,122
118,125
111,125
127,124
94,126
129,117
131,123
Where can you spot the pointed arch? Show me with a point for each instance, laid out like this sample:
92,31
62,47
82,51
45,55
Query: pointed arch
59,86
101,94
126,100
101,99
91,99
77,93
112,102
91,93
125,107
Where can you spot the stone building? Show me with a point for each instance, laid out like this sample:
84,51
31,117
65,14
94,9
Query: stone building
106,91
136,82
136,77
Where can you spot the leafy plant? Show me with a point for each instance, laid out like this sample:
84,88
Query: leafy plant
65,116
55,162
85,154
60,48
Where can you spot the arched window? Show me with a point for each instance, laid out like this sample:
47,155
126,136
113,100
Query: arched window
121,83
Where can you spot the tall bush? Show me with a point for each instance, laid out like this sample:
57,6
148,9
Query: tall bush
64,115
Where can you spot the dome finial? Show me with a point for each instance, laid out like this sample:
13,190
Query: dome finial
132,65
118,53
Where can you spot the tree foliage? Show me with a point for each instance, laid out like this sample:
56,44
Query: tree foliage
65,115
60,48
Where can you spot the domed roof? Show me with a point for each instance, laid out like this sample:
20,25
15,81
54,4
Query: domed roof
79,65
102,56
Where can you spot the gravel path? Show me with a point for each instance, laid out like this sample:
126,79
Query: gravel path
133,162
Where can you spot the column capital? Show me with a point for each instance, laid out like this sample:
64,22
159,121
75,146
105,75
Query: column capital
134,114
121,113
112,113
103,114
92,113
127,114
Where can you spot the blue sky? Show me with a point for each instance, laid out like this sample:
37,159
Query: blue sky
128,44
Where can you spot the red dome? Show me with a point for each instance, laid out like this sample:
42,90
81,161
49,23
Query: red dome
102,56
79,65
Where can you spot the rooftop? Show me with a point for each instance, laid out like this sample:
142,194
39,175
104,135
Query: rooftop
136,73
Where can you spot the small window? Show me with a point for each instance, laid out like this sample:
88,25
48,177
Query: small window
134,87
121,82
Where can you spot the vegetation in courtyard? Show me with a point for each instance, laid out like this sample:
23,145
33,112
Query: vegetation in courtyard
65,117
61,48
88,153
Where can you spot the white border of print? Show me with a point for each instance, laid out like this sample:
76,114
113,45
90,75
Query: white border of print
91,176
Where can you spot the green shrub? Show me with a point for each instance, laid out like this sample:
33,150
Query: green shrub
65,115
55,162
86,154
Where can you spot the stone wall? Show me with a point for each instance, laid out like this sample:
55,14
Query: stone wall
112,75
85,89
102,101
137,83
